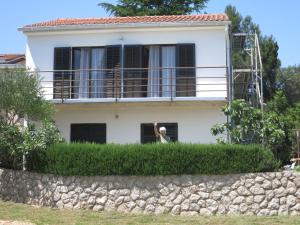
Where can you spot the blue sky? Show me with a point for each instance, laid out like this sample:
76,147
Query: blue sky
275,17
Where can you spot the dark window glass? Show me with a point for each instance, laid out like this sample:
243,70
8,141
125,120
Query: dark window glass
88,132
112,82
134,85
148,136
186,73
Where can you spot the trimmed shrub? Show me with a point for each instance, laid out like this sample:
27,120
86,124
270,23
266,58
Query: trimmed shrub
153,159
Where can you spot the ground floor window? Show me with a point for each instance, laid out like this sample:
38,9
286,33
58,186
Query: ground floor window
148,136
88,132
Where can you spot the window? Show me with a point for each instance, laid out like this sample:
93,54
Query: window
98,70
61,83
88,132
171,70
134,80
186,71
148,136
149,71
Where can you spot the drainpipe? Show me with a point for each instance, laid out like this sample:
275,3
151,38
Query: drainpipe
229,72
25,125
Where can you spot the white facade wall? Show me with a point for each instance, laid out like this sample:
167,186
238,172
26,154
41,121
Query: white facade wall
210,50
123,121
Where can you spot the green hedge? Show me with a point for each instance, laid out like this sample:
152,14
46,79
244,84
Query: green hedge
152,159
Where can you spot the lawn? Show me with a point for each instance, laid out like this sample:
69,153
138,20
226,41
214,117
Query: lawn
21,212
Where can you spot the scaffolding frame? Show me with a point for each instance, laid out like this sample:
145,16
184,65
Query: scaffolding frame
248,79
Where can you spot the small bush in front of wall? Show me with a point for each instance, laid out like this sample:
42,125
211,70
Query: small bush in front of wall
153,159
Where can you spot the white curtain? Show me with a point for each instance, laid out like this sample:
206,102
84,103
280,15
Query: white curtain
168,71
153,72
84,73
97,73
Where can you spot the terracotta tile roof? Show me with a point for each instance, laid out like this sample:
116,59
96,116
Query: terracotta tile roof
12,58
128,20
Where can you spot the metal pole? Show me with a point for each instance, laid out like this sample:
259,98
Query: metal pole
62,87
256,68
261,82
229,73
171,84
252,67
298,143
25,125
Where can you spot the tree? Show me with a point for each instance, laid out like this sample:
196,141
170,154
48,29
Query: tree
235,17
269,50
153,7
273,128
21,97
288,81
271,65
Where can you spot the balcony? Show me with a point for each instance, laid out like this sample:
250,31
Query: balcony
136,84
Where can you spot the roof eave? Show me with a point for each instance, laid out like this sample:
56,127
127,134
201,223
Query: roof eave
121,25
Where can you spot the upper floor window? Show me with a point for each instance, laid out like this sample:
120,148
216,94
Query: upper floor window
147,71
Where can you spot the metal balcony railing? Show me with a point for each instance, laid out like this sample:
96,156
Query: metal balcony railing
135,83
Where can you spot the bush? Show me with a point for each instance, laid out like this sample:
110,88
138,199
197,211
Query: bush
153,159
31,141
10,146
37,141
273,127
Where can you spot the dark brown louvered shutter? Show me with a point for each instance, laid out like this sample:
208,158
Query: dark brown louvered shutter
134,85
88,132
185,77
148,136
112,82
62,79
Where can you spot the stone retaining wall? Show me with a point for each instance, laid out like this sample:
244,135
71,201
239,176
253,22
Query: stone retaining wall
259,194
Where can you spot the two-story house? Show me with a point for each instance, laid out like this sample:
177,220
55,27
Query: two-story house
111,78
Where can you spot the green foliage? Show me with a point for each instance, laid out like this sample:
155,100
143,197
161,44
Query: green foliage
271,65
38,140
288,80
272,128
235,17
154,159
21,97
151,7
10,146
30,141
244,124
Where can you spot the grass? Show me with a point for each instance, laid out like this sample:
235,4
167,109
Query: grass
21,212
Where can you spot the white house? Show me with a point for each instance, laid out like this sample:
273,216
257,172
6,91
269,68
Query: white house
111,78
